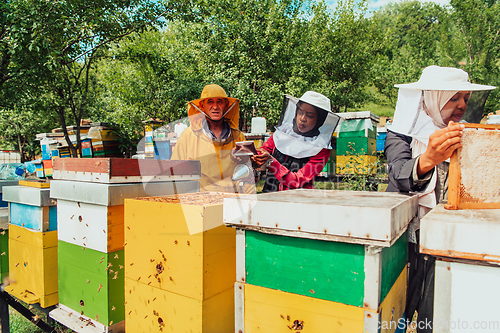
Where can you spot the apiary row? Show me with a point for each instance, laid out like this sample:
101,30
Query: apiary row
127,257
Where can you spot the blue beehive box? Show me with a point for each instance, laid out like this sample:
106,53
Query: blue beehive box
162,150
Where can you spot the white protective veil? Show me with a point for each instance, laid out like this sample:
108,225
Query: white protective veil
291,141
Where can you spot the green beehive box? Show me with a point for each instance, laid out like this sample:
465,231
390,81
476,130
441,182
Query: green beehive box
358,124
92,282
330,249
332,271
356,146
4,254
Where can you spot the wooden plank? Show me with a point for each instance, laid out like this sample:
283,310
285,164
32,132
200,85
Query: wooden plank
149,309
485,126
325,270
239,307
81,323
268,310
92,282
453,181
35,183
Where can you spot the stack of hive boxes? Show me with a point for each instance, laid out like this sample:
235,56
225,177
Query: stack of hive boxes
467,272
4,230
32,243
104,140
325,259
357,143
180,265
90,194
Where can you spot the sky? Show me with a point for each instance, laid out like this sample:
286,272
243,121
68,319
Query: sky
376,4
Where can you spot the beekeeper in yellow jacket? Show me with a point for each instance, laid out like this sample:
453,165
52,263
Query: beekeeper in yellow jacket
212,135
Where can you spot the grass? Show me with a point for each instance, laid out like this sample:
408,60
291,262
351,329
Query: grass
19,324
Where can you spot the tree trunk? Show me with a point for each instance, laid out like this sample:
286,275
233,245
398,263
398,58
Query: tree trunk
475,107
21,146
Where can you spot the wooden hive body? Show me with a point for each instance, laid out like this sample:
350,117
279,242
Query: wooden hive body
183,254
340,257
467,274
91,236
92,282
474,182
33,266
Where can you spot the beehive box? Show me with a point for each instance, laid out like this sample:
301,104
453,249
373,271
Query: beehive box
178,248
474,181
461,234
356,146
466,297
31,207
91,214
5,183
91,233
358,124
356,164
92,282
121,170
467,273
33,266
342,249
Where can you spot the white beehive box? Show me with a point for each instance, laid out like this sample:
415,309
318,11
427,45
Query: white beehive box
91,214
467,234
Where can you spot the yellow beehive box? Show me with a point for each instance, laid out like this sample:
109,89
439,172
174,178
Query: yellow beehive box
180,244
33,266
149,309
356,164
260,309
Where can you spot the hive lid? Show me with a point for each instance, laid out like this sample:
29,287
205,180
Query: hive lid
124,170
115,194
4,183
376,218
465,234
28,195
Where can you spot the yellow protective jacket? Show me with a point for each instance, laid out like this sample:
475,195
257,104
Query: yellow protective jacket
216,164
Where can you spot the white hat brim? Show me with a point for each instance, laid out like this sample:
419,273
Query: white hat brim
458,86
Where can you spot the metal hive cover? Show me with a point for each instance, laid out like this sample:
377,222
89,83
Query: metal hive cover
361,217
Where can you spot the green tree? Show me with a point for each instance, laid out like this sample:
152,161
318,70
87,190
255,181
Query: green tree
474,44
54,44
411,32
